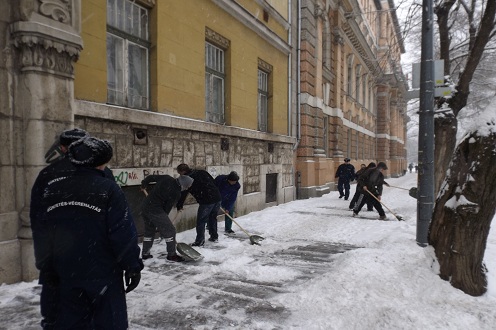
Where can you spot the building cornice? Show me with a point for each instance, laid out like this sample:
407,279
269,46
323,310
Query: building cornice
251,22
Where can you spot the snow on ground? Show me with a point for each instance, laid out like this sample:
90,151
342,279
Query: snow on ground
318,268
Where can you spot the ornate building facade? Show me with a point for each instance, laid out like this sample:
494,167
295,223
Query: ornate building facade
207,83
352,94
279,91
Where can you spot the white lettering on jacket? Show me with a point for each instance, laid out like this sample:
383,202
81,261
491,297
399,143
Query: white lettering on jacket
74,203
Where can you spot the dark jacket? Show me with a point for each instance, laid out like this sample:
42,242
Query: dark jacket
86,235
58,170
360,172
203,189
163,196
345,172
228,192
373,179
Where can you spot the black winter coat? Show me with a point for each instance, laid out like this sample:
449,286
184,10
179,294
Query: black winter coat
58,170
345,172
203,189
373,179
163,196
86,234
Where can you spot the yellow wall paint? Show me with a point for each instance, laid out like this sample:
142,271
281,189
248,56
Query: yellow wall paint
177,62
91,68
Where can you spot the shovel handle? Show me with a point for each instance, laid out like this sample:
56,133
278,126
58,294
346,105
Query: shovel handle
226,213
398,187
377,199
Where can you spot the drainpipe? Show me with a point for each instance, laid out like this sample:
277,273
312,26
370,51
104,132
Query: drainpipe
298,78
290,66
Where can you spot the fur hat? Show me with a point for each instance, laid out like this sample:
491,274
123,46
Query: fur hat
72,135
90,152
233,176
382,165
185,182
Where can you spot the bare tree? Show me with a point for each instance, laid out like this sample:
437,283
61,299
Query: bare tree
461,61
466,204
464,210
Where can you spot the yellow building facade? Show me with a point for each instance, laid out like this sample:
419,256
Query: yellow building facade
206,83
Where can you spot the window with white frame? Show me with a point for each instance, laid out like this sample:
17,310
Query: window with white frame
214,83
263,98
127,54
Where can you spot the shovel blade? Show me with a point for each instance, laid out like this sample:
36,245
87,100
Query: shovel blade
255,239
188,252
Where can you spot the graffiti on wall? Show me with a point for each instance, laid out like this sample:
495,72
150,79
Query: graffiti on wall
134,176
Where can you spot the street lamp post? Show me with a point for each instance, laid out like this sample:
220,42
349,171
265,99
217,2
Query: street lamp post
425,197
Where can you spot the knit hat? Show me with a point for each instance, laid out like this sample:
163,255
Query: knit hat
90,152
185,182
382,165
233,176
346,160
72,135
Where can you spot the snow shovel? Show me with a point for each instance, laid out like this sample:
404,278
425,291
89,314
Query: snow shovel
377,199
254,239
398,187
184,249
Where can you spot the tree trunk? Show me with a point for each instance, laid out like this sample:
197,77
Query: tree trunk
463,213
445,128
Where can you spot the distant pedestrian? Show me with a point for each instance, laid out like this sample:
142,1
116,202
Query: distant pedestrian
410,167
156,208
371,182
208,197
228,186
370,207
85,241
416,168
345,173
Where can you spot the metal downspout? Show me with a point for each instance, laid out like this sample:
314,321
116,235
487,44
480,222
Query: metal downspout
298,78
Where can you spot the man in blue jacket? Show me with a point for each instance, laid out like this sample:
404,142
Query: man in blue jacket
86,240
208,197
228,186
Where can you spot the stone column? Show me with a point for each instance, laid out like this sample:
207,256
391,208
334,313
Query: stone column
45,41
383,121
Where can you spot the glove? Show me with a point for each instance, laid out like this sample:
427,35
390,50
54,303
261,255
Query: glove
132,280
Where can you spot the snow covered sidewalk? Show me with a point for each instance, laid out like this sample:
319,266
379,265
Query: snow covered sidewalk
318,268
